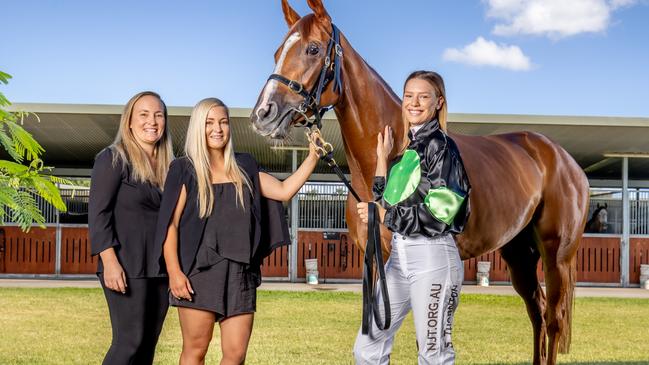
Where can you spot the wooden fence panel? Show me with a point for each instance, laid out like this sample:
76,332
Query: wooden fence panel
75,252
276,264
598,259
639,255
33,252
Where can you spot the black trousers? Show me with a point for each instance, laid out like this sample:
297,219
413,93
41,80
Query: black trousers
136,318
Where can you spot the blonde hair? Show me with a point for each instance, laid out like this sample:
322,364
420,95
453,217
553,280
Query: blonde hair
437,82
129,151
196,150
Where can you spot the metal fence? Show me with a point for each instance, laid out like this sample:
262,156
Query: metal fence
612,199
322,206
76,201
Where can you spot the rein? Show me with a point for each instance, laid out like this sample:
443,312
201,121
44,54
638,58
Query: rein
373,253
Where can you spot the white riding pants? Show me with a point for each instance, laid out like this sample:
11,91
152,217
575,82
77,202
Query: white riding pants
425,275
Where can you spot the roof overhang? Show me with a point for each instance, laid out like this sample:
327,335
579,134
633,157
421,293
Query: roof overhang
73,134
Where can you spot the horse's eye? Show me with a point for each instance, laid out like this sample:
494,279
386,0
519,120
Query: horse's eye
313,49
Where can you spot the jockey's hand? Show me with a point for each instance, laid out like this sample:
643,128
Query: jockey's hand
384,143
362,208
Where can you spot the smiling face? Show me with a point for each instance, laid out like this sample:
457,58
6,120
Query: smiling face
217,128
420,102
147,120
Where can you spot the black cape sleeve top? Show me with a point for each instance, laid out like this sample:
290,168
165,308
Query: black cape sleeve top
269,226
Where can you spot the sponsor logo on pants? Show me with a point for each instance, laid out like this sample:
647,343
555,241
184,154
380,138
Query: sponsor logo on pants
448,321
432,344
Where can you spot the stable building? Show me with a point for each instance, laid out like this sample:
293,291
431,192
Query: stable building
613,151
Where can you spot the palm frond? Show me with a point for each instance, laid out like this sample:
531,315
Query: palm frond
4,78
48,191
24,143
26,213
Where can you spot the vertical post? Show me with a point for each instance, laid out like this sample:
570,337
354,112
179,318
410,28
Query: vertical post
624,244
295,212
57,257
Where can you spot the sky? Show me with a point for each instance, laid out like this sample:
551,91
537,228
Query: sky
548,57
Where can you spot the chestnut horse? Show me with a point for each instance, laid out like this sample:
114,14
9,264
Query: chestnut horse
529,198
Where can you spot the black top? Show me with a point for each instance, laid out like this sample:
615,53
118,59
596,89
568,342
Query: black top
268,223
228,232
441,165
122,214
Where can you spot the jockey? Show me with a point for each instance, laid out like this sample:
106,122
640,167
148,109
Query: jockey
424,202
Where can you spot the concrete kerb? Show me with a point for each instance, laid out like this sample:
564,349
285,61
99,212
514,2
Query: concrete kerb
338,287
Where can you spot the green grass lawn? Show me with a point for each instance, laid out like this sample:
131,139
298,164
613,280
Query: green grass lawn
70,326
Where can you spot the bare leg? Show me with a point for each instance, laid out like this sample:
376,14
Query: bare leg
197,327
235,336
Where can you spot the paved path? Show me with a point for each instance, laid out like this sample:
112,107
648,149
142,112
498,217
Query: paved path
346,287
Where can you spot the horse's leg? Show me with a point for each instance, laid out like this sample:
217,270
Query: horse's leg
522,256
559,230
559,270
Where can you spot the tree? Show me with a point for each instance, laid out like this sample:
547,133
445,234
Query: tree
25,177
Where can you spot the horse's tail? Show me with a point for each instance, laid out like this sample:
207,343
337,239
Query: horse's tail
565,336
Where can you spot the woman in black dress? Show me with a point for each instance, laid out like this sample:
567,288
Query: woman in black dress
125,195
220,216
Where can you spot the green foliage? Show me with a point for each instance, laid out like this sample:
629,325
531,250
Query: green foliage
25,177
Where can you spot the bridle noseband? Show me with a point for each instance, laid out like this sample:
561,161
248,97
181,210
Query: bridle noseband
330,72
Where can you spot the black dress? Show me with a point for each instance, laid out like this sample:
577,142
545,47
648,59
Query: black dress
223,279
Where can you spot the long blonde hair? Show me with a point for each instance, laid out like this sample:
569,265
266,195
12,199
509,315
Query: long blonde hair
129,151
437,82
196,150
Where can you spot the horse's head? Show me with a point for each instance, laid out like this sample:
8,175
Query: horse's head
598,222
308,58
602,216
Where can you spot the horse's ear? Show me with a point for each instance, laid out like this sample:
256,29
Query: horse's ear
319,11
290,15
605,205
597,205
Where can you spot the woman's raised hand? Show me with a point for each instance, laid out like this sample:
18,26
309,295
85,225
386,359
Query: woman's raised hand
384,143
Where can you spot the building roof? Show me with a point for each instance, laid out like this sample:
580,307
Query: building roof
73,134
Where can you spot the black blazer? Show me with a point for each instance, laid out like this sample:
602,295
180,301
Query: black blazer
122,214
270,229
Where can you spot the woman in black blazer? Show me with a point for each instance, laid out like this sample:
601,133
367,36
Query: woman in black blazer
125,195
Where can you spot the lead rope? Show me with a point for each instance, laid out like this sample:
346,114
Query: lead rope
373,252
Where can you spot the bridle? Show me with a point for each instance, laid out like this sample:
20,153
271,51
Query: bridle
330,72
373,255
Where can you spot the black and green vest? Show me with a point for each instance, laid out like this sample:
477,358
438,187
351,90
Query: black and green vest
427,188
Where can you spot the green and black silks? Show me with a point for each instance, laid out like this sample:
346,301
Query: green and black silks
427,188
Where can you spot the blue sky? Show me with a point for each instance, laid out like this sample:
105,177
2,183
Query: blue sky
552,57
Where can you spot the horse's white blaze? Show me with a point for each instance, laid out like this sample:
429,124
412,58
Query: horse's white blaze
271,85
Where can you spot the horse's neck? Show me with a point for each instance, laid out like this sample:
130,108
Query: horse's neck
367,105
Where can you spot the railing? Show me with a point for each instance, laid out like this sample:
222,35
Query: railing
612,198
322,206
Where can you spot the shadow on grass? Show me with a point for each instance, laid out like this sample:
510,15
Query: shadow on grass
579,363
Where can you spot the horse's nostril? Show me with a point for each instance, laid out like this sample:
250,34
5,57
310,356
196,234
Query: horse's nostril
268,112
